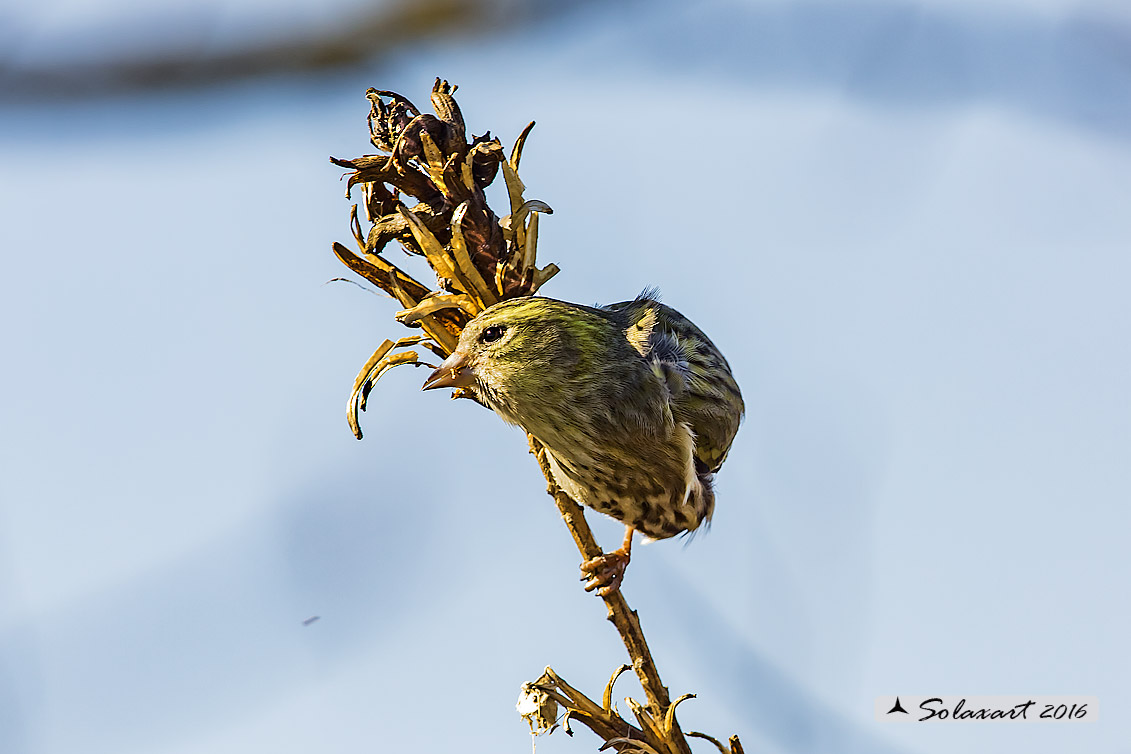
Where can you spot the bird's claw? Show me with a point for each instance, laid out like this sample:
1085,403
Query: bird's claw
605,572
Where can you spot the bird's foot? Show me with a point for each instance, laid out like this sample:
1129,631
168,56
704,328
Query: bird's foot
605,572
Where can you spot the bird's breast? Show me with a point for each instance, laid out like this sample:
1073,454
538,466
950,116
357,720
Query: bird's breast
652,487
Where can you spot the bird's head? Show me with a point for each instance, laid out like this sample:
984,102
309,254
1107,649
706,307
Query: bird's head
521,348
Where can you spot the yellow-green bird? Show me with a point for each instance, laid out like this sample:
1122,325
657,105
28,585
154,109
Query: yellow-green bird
636,407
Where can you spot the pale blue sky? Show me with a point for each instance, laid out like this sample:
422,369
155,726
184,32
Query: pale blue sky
905,223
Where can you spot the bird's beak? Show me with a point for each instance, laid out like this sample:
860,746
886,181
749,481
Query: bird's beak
454,372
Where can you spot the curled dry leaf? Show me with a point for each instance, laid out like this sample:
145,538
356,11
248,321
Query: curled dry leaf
669,716
718,744
629,745
434,304
607,697
380,362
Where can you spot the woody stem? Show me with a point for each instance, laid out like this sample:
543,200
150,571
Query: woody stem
620,615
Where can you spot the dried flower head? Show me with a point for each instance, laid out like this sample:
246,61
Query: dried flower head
537,707
479,258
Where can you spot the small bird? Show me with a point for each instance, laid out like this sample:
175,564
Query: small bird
635,406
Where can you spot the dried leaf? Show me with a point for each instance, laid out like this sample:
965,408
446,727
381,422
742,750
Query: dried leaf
404,357
443,330
375,366
630,744
607,697
535,205
542,275
515,186
478,285
644,717
500,272
669,716
444,103
385,275
718,744
467,173
436,350
435,160
434,304
366,202
355,226
519,143
530,254
456,188
429,244
515,223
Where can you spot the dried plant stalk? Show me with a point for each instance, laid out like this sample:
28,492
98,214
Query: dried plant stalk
665,739
479,259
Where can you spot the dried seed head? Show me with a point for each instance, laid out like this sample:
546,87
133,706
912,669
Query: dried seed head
537,708
478,259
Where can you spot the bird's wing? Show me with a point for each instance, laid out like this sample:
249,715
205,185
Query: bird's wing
652,331
701,391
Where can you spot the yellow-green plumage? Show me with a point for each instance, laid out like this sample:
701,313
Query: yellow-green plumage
635,405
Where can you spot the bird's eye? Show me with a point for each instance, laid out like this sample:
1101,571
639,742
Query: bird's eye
492,333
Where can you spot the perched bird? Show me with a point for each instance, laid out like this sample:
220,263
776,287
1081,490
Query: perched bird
635,406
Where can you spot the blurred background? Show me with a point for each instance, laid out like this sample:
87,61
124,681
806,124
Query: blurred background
906,223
